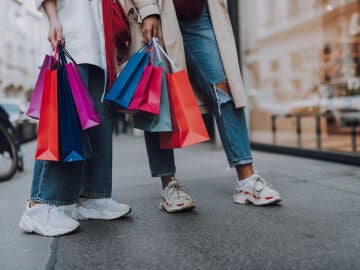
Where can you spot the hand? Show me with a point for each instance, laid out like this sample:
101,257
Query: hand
55,32
150,27
55,27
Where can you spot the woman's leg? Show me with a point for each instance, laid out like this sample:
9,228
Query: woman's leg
203,58
161,161
97,180
96,188
204,62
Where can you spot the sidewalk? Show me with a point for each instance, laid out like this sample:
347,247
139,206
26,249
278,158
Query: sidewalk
315,227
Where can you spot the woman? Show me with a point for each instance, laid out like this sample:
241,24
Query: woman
200,32
88,184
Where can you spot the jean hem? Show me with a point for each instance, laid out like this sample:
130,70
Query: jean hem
243,161
95,195
161,174
49,202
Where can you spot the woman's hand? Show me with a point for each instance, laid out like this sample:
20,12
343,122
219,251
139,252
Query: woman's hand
55,32
55,27
150,27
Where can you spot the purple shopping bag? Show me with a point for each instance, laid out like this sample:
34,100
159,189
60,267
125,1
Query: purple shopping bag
35,102
83,101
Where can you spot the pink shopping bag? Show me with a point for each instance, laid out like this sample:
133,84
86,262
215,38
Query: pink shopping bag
35,102
148,92
83,101
150,101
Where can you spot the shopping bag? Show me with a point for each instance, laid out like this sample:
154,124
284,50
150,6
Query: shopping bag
69,126
83,101
35,102
126,83
160,122
48,132
187,124
147,95
140,89
150,101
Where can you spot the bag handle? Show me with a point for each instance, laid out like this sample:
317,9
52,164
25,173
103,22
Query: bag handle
160,52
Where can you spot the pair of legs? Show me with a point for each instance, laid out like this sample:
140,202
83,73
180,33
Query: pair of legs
87,183
59,183
206,69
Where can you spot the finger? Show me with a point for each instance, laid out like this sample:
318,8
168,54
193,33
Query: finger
147,35
60,38
52,39
155,32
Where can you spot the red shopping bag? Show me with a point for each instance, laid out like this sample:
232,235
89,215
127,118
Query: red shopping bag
187,123
148,93
48,133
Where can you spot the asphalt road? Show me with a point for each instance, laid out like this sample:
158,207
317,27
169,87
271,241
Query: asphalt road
315,227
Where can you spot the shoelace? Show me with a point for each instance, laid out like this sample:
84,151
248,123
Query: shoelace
58,211
176,187
260,181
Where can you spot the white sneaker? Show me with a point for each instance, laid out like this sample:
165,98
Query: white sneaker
104,208
176,198
256,191
47,220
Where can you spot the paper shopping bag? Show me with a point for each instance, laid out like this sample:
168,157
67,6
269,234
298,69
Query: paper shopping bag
147,95
83,101
187,124
160,122
48,132
140,89
69,125
150,101
126,83
35,102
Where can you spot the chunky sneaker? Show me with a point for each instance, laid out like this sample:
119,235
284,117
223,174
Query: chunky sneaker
256,191
176,198
104,208
47,220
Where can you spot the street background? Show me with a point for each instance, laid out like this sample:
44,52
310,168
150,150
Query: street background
315,227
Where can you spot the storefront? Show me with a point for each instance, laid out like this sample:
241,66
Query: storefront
301,65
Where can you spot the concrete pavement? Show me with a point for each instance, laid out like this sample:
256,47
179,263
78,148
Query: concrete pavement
315,227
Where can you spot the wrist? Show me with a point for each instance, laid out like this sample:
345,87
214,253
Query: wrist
155,16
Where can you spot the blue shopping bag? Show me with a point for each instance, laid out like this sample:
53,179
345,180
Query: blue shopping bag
74,142
125,85
160,122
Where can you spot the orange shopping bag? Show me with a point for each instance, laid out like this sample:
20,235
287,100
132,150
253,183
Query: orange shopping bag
48,133
188,125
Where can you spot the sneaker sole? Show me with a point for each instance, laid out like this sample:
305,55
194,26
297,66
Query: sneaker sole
81,213
184,208
27,225
249,200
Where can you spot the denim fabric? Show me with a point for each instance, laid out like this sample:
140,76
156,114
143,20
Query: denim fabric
205,67
63,183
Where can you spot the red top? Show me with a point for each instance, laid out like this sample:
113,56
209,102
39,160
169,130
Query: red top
116,30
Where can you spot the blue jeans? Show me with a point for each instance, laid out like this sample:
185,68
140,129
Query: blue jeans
206,70
60,183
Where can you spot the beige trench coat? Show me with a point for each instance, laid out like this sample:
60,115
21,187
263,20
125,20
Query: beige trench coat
170,37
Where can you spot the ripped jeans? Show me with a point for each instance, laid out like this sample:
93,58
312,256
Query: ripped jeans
205,67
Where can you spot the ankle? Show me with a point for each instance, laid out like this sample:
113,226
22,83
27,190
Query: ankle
244,171
165,180
32,204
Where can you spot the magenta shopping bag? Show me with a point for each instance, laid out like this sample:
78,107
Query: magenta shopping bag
83,101
147,94
150,101
35,102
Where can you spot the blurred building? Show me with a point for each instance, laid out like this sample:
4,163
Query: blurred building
19,48
301,65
